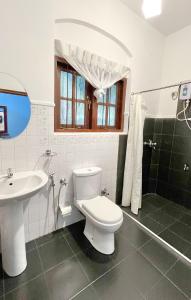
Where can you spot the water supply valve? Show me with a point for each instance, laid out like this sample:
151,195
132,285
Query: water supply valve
104,192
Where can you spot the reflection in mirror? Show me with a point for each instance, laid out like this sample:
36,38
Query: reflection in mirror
15,107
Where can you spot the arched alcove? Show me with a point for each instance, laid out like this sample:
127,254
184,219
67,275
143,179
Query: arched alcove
92,38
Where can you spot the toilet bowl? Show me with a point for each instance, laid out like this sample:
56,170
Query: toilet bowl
103,217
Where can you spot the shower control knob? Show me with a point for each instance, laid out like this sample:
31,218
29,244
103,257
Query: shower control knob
150,144
186,167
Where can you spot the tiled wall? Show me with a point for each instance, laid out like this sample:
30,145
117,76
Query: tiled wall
150,162
121,166
163,168
73,151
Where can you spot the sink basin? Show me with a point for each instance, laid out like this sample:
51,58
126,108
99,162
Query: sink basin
13,190
21,186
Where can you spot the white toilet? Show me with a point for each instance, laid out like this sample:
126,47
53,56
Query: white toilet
103,217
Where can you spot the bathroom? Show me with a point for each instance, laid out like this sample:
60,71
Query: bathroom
53,255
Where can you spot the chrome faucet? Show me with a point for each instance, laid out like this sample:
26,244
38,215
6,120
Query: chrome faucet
9,174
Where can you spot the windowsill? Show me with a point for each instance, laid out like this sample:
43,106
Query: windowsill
62,133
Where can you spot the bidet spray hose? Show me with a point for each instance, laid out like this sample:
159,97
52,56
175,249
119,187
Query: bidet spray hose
63,182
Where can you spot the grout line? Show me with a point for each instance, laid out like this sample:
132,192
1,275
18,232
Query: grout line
76,256
91,283
82,268
86,287
168,226
136,248
110,269
160,239
177,287
156,267
179,235
162,207
23,284
159,158
50,241
171,267
74,296
43,271
60,263
164,276
41,263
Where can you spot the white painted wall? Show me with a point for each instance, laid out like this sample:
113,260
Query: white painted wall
8,82
144,42
27,52
177,62
176,67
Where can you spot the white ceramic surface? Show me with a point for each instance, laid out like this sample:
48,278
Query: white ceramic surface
12,191
87,188
22,185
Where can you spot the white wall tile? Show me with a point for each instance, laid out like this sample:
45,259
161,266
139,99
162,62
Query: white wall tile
26,152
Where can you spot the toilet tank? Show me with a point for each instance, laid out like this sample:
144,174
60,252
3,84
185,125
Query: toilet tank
87,183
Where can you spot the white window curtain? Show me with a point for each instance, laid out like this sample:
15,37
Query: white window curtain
98,71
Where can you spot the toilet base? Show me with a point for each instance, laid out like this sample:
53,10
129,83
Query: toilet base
101,240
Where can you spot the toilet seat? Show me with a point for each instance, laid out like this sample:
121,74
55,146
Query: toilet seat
102,209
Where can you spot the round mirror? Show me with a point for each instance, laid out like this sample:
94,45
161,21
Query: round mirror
15,107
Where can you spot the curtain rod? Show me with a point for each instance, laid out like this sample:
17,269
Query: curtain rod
161,88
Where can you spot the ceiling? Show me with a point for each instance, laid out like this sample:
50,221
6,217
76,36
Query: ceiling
176,14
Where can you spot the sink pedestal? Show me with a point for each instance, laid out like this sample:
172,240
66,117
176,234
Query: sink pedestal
13,239
13,191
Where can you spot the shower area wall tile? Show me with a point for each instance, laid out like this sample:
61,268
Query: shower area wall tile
163,168
148,178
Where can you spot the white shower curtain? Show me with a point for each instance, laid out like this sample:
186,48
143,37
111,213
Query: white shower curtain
132,184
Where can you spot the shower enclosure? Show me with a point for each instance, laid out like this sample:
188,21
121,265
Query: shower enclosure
166,181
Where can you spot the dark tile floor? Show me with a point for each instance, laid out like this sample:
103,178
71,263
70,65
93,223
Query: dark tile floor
63,265
170,221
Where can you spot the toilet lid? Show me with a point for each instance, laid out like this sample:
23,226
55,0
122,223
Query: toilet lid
103,210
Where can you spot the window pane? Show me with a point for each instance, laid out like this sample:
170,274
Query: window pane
113,94
111,116
66,85
101,115
80,110
80,88
66,112
102,98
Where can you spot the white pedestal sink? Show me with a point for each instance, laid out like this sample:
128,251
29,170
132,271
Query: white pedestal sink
12,191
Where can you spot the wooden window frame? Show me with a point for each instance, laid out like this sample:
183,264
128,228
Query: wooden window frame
91,116
74,100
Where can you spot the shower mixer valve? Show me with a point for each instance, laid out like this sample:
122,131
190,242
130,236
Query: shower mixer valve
150,144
